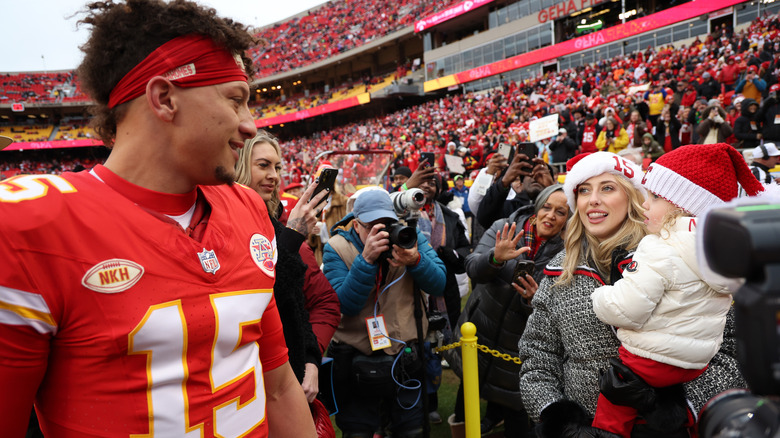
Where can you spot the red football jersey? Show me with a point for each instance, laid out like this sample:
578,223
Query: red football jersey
125,325
288,202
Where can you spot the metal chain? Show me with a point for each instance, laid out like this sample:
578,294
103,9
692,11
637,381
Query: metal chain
505,356
498,354
446,347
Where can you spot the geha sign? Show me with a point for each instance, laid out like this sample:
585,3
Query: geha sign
566,8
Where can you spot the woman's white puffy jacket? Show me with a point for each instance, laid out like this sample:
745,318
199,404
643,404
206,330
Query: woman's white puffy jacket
662,307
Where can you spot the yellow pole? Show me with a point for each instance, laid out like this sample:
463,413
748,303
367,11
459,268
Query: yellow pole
468,348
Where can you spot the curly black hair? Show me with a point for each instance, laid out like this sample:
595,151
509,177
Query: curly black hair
123,34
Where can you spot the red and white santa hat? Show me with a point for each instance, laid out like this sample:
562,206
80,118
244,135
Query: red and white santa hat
585,166
695,177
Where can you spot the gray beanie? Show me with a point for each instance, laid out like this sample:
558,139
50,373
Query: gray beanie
544,195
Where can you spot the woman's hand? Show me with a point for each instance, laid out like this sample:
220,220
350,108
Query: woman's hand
310,384
303,217
527,287
506,244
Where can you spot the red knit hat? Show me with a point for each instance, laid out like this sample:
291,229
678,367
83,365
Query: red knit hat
695,177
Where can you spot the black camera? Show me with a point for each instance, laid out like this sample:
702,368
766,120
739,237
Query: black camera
401,235
744,242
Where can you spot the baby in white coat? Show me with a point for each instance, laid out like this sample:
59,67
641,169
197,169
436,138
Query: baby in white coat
670,320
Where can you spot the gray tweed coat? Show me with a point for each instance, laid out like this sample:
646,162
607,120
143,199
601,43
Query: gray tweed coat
564,346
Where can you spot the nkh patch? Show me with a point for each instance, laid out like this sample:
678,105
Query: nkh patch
632,266
263,253
113,276
209,261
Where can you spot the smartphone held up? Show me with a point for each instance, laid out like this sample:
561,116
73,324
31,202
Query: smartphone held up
326,181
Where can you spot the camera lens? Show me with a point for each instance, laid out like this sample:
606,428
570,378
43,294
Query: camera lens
728,413
405,237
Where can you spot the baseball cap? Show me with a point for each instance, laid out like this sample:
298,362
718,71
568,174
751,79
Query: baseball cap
457,177
562,131
771,150
4,142
374,205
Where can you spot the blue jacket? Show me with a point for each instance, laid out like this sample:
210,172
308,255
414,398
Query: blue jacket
464,195
353,286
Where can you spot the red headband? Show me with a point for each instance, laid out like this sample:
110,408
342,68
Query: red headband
187,61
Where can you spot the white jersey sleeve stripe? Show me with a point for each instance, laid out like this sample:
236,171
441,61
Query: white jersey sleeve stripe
25,308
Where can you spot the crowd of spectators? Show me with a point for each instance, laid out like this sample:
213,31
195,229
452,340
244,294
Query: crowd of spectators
721,87
34,87
50,161
334,28
284,104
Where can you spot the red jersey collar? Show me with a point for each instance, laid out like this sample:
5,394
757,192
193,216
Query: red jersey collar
165,203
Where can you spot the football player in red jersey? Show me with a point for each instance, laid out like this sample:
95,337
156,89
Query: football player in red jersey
136,299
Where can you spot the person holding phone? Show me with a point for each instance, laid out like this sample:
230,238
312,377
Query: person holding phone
714,129
613,138
500,302
519,185
308,305
751,85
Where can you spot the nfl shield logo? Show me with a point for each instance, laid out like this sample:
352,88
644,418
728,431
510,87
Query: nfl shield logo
209,261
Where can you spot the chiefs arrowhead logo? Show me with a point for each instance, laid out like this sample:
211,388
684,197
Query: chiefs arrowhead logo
263,252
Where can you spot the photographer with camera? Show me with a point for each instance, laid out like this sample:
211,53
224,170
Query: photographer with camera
375,280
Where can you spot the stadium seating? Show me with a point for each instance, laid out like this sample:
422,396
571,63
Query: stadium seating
74,131
33,87
334,28
293,104
506,112
27,133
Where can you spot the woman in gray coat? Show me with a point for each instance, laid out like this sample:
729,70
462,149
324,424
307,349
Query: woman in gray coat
499,304
564,345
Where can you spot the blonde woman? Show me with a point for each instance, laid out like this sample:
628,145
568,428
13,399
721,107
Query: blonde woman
308,305
565,345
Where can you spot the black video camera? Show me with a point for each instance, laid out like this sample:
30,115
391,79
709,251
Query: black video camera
744,241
